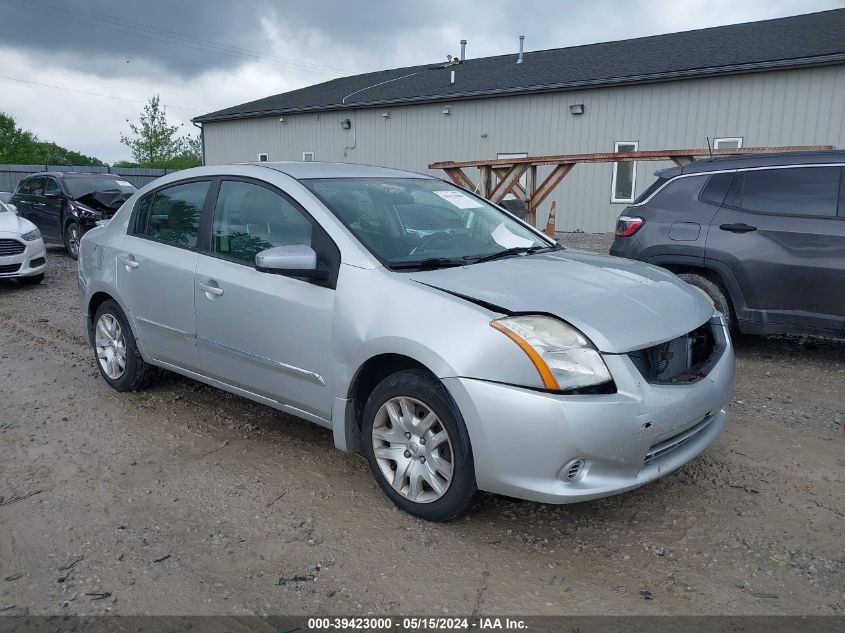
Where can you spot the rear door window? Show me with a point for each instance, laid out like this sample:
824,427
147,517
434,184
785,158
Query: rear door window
172,215
52,187
32,187
788,191
716,188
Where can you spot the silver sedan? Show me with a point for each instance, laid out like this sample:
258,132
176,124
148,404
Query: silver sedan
457,347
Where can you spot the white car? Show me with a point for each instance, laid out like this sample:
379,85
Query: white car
22,253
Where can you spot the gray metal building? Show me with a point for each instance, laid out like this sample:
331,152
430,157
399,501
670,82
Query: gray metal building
772,83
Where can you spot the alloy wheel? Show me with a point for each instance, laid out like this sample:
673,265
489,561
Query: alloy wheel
111,346
413,449
73,239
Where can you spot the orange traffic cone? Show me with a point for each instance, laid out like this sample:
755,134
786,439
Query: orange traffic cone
550,225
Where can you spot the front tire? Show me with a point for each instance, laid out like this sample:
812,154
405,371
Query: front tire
116,352
418,447
72,236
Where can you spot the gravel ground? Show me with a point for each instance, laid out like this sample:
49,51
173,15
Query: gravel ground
185,500
596,242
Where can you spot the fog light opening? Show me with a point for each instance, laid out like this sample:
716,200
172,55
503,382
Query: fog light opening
574,469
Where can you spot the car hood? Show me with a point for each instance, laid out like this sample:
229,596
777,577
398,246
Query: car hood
13,223
107,202
620,304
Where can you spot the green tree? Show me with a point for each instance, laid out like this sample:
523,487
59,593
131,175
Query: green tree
155,143
52,154
16,145
22,147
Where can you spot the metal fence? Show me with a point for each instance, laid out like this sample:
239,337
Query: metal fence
138,176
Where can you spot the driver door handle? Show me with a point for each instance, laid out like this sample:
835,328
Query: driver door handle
129,262
737,228
209,289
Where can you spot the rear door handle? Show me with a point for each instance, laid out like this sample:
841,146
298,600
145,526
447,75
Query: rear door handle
208,289
129,262
738,228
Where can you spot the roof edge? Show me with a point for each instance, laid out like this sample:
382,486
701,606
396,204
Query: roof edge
713,71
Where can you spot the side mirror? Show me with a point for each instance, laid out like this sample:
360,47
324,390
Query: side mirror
11,207
291,260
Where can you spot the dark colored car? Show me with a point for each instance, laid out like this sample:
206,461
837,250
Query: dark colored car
763,235
64,205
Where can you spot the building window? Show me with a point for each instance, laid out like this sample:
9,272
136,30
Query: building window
308,156
624,180
263,157
727,142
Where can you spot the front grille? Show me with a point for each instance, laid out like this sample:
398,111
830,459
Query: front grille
679,360
9,268
676,441
11,247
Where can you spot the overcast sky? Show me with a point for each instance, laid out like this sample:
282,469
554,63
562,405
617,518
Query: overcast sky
203,56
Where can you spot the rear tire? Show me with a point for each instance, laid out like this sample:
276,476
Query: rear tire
32,280
714,292
420,452
72,235
116,352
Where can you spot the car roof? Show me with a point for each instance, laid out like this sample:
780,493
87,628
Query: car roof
72,174
302,170
745,161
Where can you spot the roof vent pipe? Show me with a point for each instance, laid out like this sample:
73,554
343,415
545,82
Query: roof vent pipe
452,78
463,50
521,42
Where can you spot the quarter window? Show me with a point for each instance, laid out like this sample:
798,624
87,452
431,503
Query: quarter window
790,191
624,174
173,215
250,218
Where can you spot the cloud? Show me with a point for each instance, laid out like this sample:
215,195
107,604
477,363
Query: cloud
219,53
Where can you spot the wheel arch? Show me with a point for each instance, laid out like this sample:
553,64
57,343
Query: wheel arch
94,302
369,373
714,270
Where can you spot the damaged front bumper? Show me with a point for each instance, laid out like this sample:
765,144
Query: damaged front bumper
566,448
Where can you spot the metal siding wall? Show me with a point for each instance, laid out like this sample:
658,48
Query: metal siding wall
796,107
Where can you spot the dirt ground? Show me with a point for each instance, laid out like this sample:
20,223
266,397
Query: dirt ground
185,500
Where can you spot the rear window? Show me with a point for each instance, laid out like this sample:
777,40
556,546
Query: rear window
657,184
79,186
791,191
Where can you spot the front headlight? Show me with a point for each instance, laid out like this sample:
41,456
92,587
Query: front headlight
85,212
563,356
33,235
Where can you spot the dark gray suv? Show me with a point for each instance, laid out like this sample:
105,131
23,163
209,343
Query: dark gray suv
763,235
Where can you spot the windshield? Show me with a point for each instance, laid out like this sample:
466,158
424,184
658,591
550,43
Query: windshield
80,186
407,221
